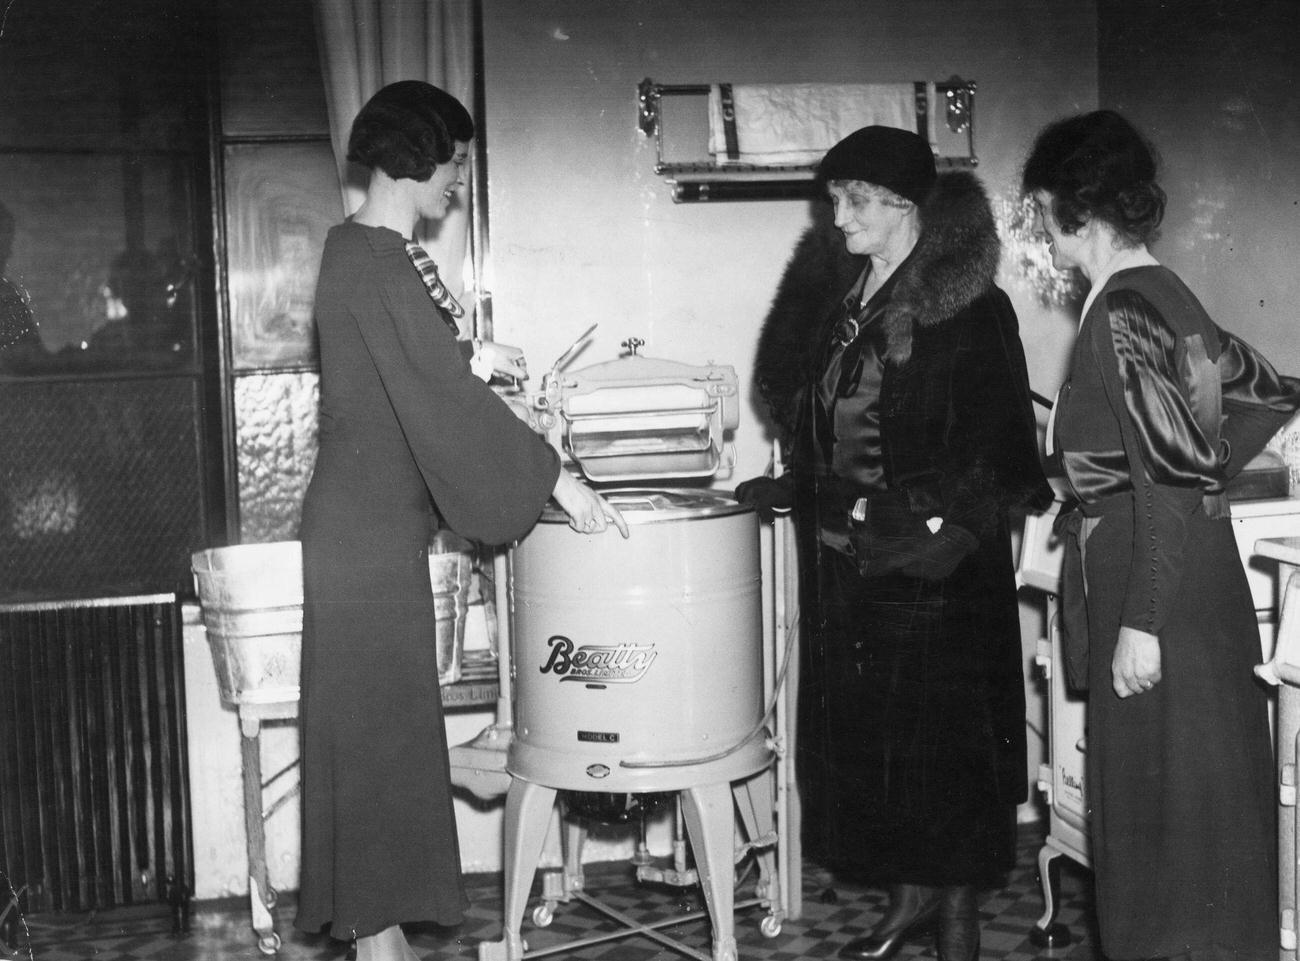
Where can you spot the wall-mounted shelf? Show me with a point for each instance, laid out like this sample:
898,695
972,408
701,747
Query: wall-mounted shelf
698,151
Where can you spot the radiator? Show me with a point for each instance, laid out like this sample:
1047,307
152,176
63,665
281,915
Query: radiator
94,796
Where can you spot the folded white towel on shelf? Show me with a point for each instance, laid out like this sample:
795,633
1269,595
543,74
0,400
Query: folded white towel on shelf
796,123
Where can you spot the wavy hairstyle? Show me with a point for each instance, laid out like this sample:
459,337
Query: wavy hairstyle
407,129
1098,165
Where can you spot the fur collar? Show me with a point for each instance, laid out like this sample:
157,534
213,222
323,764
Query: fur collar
814,282
955,262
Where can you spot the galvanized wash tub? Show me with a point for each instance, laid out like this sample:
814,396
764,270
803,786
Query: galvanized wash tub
251,596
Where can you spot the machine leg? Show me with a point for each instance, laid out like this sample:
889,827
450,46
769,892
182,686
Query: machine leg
1287,724
260,895
711,827
1048,932
1288,728
559,886
754,802
789,812
789,844
528,815
572,837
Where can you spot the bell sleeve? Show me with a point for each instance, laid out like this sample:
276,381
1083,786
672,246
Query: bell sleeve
1173,460
488,473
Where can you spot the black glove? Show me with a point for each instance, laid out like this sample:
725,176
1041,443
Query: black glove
939,554
768,496
884,533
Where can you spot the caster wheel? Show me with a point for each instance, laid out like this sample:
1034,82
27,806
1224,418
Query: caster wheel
770,926
543,915
269,944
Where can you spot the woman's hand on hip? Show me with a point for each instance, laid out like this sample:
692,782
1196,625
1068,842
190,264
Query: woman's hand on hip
1135,668
589,513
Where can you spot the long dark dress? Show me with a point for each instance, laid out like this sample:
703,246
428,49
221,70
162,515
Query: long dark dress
406,429
1179,779
911,752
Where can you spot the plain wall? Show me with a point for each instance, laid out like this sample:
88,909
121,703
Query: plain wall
1213,83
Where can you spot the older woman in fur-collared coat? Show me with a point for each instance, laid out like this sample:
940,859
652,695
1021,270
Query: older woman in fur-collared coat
911,438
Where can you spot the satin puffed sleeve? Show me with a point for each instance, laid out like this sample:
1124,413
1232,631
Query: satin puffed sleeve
1173,459
1257,401
489,474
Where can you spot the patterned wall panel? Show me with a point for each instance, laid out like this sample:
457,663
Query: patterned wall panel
280,201
99,487
275,416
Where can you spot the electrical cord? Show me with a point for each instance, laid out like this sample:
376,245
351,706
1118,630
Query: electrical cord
790,635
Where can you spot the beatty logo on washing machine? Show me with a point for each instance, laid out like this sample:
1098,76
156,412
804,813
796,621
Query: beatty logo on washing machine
613,664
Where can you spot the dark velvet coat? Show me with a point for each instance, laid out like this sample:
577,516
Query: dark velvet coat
912,718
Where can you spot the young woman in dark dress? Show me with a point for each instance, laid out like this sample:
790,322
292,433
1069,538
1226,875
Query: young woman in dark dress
1159,408
410,440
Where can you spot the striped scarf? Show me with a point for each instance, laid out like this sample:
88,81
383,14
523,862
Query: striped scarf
438,291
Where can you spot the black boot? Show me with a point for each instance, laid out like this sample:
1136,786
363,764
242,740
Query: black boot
959,925
912,909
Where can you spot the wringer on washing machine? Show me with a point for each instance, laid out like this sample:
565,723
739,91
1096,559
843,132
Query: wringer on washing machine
647,669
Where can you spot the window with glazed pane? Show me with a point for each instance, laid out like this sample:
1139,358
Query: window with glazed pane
281,195
104,280
166,181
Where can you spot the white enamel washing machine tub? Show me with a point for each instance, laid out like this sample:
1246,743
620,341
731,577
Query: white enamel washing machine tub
638,663
639,666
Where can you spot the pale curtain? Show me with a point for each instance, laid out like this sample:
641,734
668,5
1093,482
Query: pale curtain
366,44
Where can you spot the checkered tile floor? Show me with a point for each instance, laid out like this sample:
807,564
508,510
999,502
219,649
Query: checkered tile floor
834,913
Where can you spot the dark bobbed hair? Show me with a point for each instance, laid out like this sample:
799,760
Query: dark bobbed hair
407,129
1098,165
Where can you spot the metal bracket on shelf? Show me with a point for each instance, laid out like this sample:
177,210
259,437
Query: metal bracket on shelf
960,97
705,180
